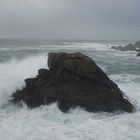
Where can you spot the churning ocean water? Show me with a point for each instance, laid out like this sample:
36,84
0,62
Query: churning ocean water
20,59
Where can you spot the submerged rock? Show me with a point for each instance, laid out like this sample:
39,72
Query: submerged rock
73,80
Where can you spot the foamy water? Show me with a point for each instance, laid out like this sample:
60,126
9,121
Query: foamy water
48,122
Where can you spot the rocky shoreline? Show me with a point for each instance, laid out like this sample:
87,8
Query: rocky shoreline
138,54
129,47
73,80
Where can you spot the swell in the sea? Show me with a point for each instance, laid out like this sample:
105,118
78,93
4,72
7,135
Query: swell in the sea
49,123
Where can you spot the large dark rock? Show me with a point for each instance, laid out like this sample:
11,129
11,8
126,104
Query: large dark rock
129,47
73,80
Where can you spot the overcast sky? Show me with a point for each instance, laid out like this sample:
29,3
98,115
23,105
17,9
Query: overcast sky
70,19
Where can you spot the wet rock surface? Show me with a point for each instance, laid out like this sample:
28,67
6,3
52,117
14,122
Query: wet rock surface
73,80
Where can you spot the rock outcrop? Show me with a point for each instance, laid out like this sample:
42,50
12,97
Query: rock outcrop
73,80
138,54
129,47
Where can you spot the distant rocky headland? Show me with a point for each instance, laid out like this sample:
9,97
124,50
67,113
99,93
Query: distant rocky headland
129,47
138,54
73,80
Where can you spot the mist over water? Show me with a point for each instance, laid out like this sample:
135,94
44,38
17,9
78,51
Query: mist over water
22,59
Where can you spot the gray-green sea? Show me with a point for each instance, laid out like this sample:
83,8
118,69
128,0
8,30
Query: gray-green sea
21,58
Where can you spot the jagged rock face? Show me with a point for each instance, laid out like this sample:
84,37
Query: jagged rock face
73,80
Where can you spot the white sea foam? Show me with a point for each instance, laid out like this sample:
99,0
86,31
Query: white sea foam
49,123
89,46
69,46
129,84
13,73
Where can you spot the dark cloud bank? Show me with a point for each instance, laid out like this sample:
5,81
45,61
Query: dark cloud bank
70,19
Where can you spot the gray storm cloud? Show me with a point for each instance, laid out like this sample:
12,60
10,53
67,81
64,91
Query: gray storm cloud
70,19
